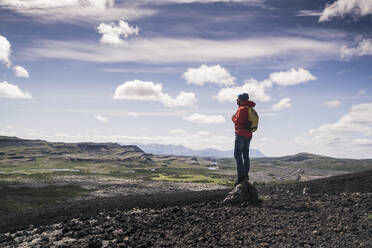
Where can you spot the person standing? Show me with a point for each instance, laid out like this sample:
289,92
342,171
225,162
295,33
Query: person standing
243,137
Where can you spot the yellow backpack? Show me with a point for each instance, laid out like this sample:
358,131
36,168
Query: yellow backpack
252,123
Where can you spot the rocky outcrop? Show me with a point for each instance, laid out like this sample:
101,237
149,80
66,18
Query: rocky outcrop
243,193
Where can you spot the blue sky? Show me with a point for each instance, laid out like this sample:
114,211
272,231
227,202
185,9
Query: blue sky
168,72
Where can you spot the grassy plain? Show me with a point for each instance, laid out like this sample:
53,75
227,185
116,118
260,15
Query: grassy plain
36,174
42,174
19,199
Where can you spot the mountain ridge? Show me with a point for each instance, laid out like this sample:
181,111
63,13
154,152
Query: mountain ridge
180,150
87,146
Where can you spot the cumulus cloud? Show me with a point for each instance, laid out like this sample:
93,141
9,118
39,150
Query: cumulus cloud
282,104
205,119
364,47
291,77
333,104
20,71
351,134
358,120
112,34
101,118
138,90
341,8
255,89
5,51
8,90
149,91
208,74
75,10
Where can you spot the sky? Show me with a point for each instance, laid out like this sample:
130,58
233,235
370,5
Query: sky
169,72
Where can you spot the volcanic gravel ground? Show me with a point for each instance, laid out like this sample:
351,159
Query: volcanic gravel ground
297,215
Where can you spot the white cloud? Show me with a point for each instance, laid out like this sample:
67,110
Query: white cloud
333,103
205,119
172,50
208,74
46,4
20,71
309,13
350,135
148,91
358,120
8,90
5,51
139,90
341,8
364,47
76,10
112,34
291,77
255,89
282,104
101,118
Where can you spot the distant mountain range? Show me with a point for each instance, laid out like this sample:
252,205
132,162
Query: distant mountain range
159,149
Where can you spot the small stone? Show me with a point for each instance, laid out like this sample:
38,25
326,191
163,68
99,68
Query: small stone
95,243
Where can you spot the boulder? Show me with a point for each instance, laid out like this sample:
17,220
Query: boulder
244,192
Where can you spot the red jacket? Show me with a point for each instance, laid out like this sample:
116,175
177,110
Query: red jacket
240,119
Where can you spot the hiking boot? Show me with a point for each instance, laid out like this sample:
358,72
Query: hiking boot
246,178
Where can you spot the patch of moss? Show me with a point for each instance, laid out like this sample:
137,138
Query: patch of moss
190,178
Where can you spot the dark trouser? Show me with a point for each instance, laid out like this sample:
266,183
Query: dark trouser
241,154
